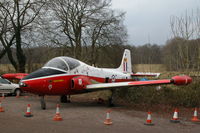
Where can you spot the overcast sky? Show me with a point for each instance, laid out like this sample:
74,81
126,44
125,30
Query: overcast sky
149,20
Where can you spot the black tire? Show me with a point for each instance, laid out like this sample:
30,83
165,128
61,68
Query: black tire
63,99
18,92
110,102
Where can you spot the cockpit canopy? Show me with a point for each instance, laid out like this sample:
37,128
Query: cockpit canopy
56,66
63,63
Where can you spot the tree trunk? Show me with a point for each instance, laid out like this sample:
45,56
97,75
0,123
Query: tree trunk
19,52
11,59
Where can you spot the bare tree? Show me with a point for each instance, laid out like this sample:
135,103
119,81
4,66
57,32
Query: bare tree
197,26
105,29
86,23
184,27
19,16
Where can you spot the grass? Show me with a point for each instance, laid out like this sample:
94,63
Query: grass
6,68
149,68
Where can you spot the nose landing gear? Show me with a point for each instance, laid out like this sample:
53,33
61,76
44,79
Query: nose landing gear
42,102
63,99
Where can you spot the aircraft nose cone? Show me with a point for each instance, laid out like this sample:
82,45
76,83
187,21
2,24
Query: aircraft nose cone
22,84
31,86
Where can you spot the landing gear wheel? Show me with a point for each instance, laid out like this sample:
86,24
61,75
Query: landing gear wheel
18,92
43,103
110,100
65,99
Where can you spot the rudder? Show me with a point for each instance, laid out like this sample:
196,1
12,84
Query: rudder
126,66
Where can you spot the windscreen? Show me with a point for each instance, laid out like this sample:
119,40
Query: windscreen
42,73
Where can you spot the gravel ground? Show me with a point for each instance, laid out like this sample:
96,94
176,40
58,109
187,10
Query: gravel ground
83,117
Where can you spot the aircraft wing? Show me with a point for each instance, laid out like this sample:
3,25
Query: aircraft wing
177,80
14,75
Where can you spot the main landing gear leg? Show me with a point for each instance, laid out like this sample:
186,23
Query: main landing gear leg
69,101
42,102
110,100
65,99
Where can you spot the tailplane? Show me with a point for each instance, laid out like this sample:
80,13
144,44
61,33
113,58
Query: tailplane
126,66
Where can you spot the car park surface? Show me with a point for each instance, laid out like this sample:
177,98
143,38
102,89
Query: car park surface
82,116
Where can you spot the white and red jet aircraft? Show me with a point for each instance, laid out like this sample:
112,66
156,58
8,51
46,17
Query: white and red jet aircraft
66,76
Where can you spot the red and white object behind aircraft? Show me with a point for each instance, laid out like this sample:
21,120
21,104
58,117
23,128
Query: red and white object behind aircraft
11,76
66,76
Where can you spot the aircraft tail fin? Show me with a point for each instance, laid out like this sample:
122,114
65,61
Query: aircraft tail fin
126,66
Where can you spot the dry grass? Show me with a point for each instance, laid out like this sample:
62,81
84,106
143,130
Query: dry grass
149,68
6,68
160,68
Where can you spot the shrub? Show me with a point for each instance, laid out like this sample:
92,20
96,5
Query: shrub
186,96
